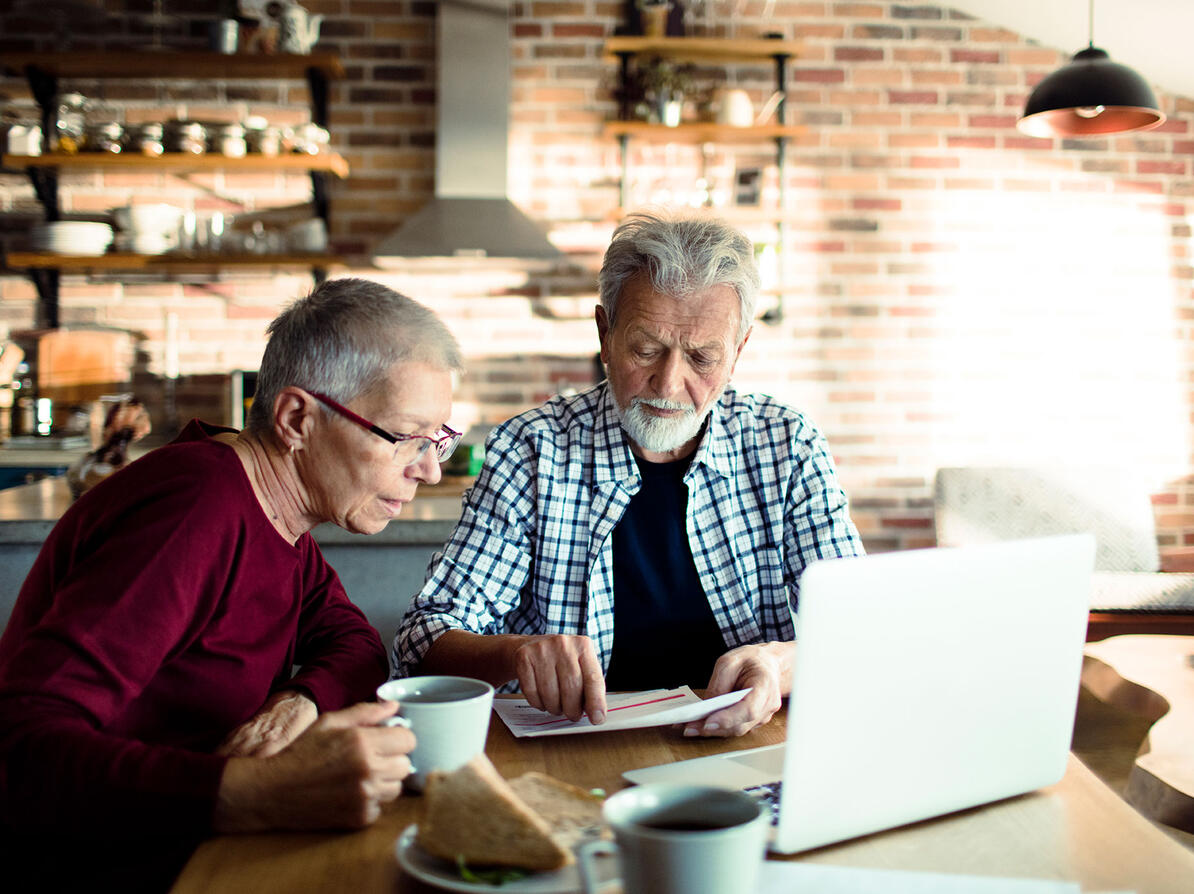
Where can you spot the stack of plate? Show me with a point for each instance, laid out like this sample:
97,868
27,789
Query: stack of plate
71,237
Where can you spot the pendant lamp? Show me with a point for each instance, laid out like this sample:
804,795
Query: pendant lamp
1091,96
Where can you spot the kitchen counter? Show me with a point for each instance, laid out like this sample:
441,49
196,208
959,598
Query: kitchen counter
18,465
381,572
31,510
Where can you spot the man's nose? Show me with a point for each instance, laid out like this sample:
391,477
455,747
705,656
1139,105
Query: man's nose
668,376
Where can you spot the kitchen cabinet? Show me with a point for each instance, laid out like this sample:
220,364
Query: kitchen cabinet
45,70
632,52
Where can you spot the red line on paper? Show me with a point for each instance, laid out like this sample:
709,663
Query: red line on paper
665,698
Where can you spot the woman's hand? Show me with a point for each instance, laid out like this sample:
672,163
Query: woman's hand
283,717
337,774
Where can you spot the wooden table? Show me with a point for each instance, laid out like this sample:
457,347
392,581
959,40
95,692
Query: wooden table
1153,676
1077,830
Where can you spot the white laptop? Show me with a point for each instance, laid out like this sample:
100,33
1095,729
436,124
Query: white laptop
925,682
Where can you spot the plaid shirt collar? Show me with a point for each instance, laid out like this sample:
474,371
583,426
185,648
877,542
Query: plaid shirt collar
615,465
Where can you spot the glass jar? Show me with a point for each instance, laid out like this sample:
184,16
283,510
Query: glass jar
148,139
229,140
70,123
309,139
105,136
263,139
186,136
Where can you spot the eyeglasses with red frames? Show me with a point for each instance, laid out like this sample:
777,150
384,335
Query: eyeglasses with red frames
444,444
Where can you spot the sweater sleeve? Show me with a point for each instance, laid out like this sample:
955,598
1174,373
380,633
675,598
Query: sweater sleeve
119,595
341,658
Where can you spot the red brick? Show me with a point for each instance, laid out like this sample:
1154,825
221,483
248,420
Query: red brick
970,142
819,75
913,97
858,54
1027,143
924,161
974,56
1002,122
1179,168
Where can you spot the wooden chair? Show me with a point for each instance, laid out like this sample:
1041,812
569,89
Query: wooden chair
1130,593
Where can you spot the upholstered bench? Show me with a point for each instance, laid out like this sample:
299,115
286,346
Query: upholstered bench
1129,591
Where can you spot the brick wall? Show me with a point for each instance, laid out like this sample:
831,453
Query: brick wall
954,292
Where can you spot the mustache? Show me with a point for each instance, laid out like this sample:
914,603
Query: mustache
660,403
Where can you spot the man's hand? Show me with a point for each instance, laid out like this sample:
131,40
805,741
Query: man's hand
280,721
766,670
561,675
337,774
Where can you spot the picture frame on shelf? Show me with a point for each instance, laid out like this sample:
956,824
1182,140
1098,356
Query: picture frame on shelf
748,186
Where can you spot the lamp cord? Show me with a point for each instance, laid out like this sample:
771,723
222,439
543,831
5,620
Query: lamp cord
1090,24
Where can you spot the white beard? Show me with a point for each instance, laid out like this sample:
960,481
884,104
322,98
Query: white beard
657,434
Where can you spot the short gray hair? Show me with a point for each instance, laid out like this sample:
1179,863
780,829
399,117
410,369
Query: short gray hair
682,254
342,339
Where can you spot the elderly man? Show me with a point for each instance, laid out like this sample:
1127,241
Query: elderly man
651,531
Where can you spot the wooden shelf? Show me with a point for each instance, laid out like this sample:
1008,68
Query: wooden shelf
167,263
697,49
173,63
328,162
701,132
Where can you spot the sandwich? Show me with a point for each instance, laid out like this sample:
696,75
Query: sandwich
474,816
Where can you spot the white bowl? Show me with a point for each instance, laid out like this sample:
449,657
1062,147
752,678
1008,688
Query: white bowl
157,218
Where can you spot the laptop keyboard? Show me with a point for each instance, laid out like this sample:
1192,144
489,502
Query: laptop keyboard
769,794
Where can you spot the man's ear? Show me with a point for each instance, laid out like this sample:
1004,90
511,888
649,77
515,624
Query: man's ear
741,345
293,422
602,329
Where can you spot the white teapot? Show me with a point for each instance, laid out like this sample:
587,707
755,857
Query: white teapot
298,30
733,107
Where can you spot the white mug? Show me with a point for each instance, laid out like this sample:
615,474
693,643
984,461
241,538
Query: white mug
681,839
449,717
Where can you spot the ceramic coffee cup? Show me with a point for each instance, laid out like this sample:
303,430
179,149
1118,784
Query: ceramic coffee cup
449,717
681,839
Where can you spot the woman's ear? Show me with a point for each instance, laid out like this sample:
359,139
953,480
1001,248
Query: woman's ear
294,410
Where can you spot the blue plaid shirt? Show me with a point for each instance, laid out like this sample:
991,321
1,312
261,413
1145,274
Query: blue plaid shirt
532,552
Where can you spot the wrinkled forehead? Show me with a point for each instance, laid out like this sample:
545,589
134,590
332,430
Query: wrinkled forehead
700,317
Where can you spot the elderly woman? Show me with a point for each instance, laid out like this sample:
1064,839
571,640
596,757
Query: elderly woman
180,660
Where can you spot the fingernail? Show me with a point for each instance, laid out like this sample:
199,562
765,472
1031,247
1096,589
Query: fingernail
691,731
711,727
599,717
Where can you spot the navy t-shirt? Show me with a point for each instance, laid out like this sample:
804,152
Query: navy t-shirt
665,634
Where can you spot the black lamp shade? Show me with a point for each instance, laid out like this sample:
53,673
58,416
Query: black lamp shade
1090,96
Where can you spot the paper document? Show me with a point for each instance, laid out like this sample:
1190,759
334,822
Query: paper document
624,710
778,877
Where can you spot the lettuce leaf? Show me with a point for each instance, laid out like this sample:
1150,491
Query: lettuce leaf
496,877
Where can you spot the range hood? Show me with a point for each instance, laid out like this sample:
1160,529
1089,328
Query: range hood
470,216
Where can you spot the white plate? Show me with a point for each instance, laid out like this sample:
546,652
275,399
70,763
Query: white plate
73,237
442,874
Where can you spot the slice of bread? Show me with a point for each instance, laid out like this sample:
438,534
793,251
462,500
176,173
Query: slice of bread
531,822
573,813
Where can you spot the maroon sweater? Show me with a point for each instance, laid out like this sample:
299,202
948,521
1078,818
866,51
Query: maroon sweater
162,611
